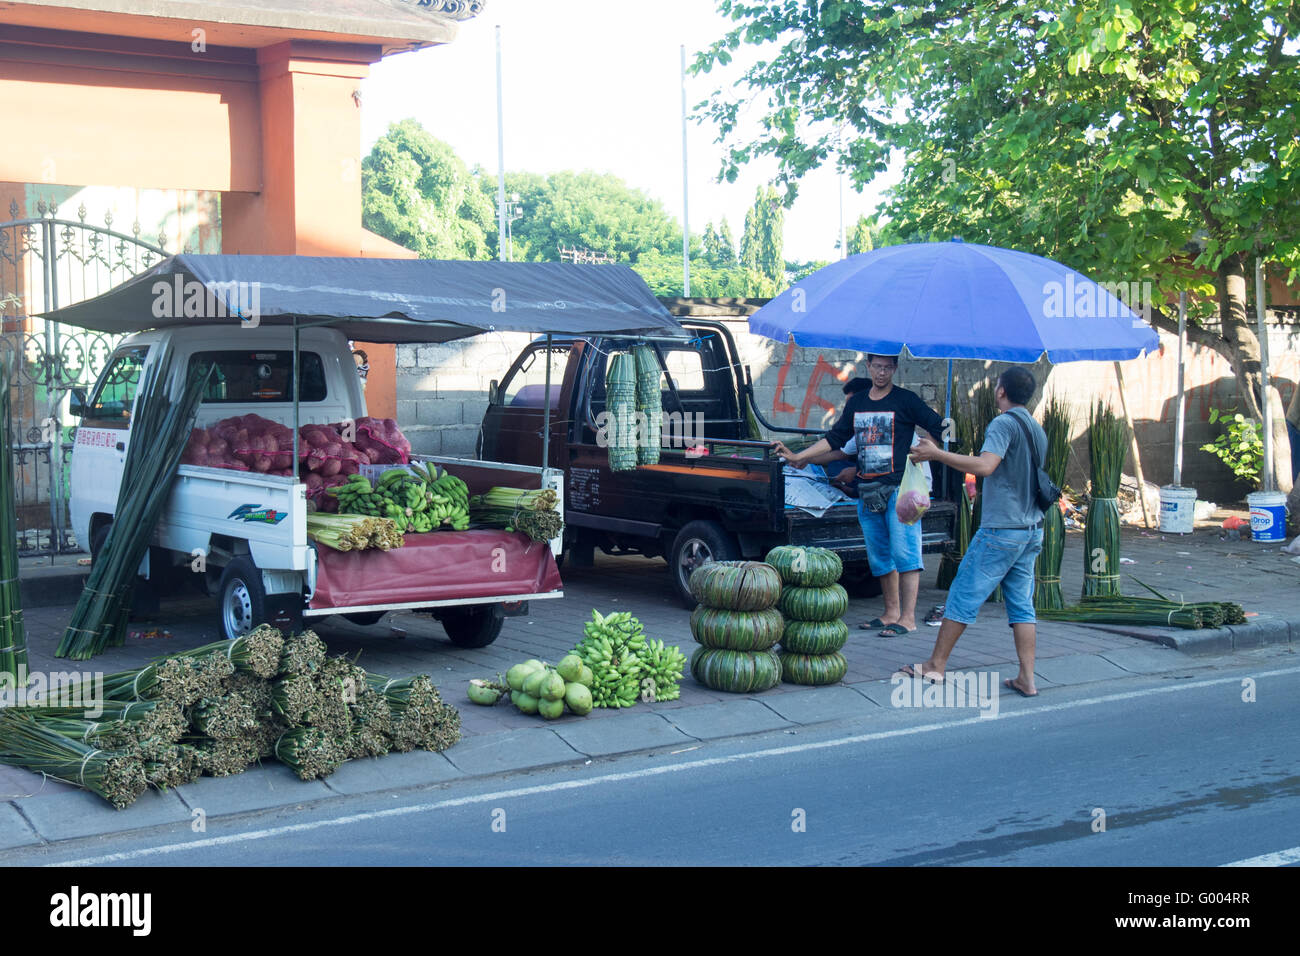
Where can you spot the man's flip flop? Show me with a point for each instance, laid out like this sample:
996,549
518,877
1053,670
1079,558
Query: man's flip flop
894,630
1008,683
873,625
910,672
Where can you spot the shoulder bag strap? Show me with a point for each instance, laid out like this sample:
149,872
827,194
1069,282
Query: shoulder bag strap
1029,439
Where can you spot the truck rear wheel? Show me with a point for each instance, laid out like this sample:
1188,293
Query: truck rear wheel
697,544
241,600
476,625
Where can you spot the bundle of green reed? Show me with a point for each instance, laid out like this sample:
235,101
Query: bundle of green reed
1107,446
115,775
517,509
1047,571
160,429
309,752
420,718
13,643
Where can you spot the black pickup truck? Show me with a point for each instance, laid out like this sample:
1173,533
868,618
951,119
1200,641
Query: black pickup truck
717,493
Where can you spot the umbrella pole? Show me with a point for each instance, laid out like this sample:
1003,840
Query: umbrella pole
1133,447
947,408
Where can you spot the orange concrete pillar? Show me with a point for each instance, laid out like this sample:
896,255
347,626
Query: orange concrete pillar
310,201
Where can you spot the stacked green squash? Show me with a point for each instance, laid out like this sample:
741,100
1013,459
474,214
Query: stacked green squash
813,605
736,624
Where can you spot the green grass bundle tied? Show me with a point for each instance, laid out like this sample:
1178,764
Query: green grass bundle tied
13,643
420,718
309,752
114,775
304,653
1107,446
1047,570
517,509
160,430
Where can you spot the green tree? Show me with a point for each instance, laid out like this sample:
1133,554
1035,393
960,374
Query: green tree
861,239
763,241
591,211
417,192
719,249
663,273
1134,140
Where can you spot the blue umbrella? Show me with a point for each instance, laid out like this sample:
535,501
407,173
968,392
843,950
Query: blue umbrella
956,300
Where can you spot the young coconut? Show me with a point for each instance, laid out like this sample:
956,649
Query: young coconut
485,692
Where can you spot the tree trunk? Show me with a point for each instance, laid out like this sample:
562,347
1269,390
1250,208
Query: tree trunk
1247,365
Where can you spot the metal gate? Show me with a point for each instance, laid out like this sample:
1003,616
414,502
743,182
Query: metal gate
47,263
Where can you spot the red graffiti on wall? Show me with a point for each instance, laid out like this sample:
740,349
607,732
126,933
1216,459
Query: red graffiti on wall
811,399
779,406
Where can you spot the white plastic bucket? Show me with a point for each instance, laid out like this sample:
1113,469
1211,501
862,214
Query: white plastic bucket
1267,515
1177,509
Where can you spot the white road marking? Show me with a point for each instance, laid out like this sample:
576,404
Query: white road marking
1031,710
1280,858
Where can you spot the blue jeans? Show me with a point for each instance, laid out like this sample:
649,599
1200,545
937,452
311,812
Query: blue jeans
891,545
996,556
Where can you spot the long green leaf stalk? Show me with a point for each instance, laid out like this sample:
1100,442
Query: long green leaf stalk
1047,570
160,429
515,509
218,709
116,776
1107,446
13,644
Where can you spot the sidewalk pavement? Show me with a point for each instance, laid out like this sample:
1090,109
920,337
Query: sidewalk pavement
501,740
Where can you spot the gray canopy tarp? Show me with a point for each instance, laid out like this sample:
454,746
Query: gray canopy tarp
379,300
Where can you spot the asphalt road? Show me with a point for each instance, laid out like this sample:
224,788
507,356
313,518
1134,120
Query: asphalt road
1179,772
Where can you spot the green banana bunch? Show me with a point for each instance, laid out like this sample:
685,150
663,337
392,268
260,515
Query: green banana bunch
613,647
663,667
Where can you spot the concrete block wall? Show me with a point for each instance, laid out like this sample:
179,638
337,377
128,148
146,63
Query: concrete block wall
442,394
442,389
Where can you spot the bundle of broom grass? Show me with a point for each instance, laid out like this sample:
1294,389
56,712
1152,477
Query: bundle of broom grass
220,708
160,430
1159,611
1107,445
1047,569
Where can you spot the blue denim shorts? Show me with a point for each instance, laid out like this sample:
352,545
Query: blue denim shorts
891,545
996,556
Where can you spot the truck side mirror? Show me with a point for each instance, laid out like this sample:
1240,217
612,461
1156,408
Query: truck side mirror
77,402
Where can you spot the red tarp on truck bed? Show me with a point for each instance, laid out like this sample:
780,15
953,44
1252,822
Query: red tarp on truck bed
440,566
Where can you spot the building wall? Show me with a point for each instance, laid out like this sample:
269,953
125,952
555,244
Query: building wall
442,394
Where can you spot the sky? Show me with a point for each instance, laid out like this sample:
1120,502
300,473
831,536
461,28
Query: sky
595,85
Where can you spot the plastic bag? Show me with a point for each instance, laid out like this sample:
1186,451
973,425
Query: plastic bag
913,494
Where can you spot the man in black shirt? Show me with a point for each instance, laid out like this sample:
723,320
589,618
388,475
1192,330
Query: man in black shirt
883,420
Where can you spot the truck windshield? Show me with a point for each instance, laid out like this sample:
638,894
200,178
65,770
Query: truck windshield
110,407
248,378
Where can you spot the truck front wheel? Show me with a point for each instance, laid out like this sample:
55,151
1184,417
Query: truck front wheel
476,625
241,603
698,543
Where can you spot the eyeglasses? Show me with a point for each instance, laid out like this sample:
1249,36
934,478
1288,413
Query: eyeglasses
881,368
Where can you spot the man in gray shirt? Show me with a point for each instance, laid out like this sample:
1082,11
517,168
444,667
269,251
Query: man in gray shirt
1010,535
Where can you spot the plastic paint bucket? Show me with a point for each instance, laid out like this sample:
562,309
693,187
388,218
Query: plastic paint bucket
1267,515
1177,509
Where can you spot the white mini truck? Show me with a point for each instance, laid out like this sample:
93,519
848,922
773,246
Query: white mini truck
242,535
